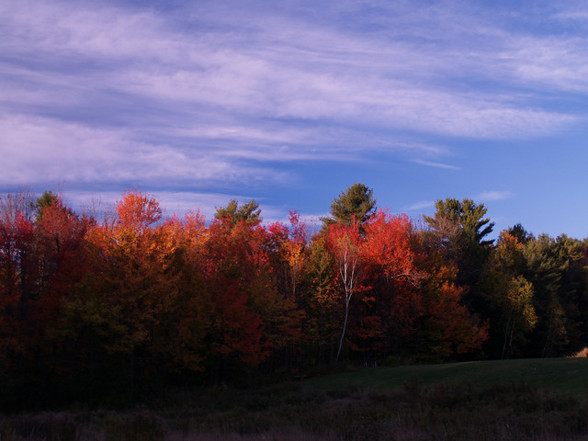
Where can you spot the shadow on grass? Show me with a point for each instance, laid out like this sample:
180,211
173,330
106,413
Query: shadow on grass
414,412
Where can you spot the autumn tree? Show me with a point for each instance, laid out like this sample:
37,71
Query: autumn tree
118,307
443,328
16,257
13,205
236,331
61,250
345,243
389,258
90,308
180,341
287,250
42,256
252,318
296,250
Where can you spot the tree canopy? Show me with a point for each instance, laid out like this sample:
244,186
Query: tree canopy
461,218
460,228
138,301
233,213
357,204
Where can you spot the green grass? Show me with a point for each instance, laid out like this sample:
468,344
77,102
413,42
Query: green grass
566,376
535,400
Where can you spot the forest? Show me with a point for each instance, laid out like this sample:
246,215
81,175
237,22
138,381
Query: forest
110,310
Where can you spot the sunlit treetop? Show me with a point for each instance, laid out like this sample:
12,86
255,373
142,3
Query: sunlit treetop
356,204
233,213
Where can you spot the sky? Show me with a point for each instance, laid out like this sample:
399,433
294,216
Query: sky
291,102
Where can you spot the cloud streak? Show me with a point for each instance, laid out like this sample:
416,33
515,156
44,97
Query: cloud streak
282,68
46,150
421,206
436,164
489,196
208,95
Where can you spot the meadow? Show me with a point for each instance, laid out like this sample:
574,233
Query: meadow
530,399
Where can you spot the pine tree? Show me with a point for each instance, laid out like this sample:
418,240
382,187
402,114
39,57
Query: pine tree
356,204
460,228
233,213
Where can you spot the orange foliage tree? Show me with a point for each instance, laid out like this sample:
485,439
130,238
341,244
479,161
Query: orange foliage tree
118,308
444,327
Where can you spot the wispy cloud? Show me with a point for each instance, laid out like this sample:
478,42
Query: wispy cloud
420,206
436,164
489,196
272,67
45,150
211,94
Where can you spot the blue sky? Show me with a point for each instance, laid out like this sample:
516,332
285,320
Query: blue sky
291,102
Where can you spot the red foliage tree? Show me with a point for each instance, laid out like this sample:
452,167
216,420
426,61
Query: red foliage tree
40,261
234,264
392,304
345,243
16,249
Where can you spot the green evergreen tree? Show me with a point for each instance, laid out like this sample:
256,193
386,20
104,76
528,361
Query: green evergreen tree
556,267
356,203
464,219
517,231
47,199
508,299
460,228
249,212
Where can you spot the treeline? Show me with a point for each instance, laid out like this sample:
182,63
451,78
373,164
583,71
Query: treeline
106,311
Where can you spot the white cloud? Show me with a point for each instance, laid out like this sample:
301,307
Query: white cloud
94,92
436,164
276,67
488,196
36,149
558,63
420,206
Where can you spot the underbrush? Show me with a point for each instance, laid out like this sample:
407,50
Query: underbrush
414,412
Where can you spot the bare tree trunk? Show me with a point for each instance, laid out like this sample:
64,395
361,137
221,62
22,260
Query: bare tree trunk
348,271
347,299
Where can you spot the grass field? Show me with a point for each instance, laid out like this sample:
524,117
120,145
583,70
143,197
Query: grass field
567,376
539,400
